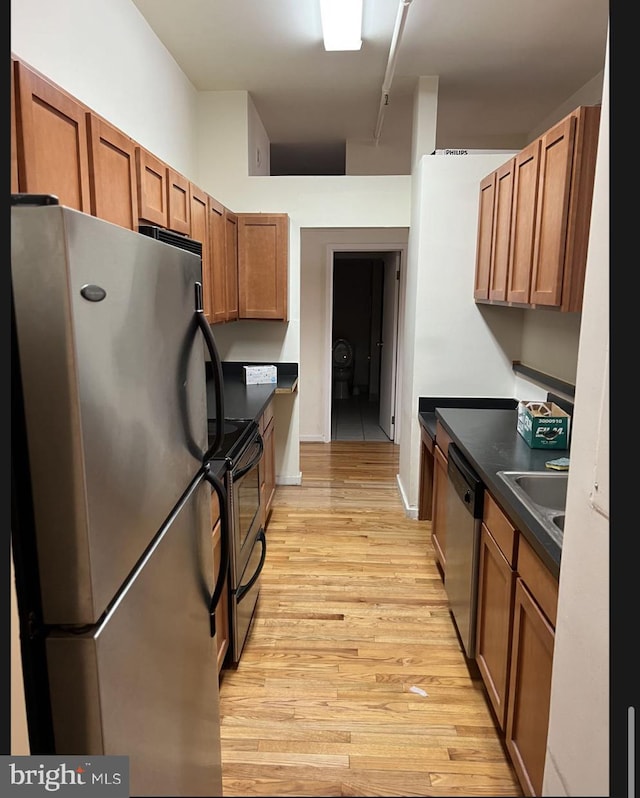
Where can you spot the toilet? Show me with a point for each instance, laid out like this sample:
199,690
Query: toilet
342,368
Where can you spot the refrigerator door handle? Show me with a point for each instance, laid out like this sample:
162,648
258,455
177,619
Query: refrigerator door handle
216,364
244,588
224,547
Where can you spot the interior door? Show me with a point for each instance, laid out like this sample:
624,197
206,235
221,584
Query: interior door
389,345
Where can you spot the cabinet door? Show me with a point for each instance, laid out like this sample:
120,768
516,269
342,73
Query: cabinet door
525,193
263,258
485,236
529,690
425,498
231,263
501,232
112,174
218,273
222,610
51,141
496,586
178,204
439,510
269,461
199,214
556,158
151,174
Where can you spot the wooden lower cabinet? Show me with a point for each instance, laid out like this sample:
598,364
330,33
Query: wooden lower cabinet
439,507
439,511
516,614
425,495
268,465
222,611
496,585
529,690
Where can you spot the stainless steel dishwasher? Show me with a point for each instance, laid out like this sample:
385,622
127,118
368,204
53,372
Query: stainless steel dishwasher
465,493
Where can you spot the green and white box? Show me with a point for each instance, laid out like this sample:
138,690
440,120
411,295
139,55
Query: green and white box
543,425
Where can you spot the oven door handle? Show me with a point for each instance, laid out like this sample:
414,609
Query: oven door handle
244,588
240,472
224,547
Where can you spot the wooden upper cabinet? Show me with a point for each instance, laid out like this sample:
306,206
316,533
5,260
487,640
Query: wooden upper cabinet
567,170
178,203
485,236
231,262
14,152
217,270
525,193
112,174
151,175
51,140
539,258
199,231
263,265
552,212
501,231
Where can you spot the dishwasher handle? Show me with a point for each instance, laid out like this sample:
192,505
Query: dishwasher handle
465,482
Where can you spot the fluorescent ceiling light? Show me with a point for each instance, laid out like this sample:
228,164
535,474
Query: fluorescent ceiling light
341,24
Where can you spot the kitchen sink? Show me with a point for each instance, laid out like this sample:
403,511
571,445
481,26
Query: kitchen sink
544,493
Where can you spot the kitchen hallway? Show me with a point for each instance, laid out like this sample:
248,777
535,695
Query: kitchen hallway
355,418
352,680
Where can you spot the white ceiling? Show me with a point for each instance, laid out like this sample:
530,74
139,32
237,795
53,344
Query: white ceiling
503,65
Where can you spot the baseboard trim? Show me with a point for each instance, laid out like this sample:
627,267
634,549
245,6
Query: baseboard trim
293,480
312,439
409,510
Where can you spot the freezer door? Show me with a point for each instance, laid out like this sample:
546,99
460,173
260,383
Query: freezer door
112,366
145,682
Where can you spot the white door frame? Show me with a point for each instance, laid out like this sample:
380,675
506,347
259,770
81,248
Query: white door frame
331,250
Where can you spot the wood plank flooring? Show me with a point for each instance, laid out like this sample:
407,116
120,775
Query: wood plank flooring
352,681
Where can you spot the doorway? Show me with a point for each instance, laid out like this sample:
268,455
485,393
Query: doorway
364,314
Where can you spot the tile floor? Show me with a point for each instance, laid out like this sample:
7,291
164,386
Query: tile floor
356,419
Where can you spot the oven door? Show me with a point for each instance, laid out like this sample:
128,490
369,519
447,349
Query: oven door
244,510
245,597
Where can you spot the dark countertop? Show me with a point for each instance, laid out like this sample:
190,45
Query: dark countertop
489,440
249,401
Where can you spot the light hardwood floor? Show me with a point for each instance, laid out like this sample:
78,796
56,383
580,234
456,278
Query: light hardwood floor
352,680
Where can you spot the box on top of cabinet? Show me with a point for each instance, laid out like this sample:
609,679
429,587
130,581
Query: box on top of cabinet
543,425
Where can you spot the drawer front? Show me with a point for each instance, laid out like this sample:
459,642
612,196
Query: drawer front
267,416
443,439
503,531
538,579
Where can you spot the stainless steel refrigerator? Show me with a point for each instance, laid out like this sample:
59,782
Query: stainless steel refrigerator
111,498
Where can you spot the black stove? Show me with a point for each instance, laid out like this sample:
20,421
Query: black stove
237,433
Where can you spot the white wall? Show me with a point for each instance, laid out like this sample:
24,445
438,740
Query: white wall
578,743
550,342
105,54
390,155
452,347
589,94
259,152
